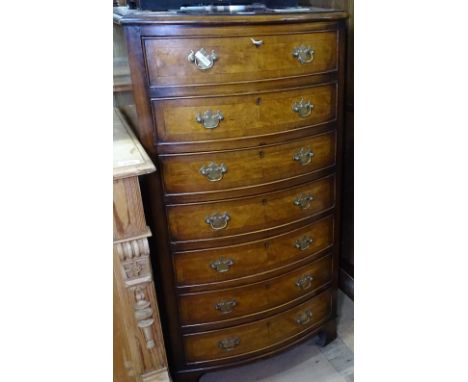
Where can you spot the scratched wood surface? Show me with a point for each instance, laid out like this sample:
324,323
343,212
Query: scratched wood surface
130,159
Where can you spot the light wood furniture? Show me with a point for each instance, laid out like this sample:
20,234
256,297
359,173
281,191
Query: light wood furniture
139,354
242,115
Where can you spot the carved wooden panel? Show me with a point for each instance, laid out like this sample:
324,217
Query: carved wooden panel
129,219
139,353
123,366
138,307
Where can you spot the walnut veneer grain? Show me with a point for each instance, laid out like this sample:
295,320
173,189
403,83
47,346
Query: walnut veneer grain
188,222
248,115
260,335
246,200
228,304
252,259
247,167
240,59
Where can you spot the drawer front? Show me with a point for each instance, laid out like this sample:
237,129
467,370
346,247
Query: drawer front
242,215
189,120
240,168
203,61
199,308
261,335
228,263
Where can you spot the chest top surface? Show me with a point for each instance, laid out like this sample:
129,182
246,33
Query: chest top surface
130,159
123,15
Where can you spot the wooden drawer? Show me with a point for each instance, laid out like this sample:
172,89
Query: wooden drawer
243,215
227,304
258,336
242,115
238,58
240,168
208,266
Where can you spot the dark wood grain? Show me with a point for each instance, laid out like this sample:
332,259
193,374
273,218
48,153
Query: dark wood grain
239,59
260,258
188,222
135,17
347,236
242,88
262,208
245,116
247,168
258,336
201,308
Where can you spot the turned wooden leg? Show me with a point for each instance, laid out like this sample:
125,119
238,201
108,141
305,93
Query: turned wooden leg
327,334
187,377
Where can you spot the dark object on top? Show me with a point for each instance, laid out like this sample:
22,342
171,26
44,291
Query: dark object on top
163,5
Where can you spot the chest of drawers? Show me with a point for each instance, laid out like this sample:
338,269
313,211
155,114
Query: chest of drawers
242,116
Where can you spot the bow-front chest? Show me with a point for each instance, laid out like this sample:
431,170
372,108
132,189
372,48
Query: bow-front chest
242,116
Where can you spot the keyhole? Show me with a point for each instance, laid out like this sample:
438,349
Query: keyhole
258,101
264,201
261,154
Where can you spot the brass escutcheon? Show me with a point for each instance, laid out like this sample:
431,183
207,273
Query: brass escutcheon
229,344
304,155
222,265
303,108
304,282
209,119
303,201
202,59
226,306
213,172
304,54
304,317
218,221
303,243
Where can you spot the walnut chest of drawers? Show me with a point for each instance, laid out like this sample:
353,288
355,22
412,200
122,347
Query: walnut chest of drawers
242,116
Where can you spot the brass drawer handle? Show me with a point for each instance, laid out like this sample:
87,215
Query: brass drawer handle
202,59
303,243
257,43
304,155
214,172
304,282
303,108
304,54
209,119
218,221
304,317
229,344
303,201
222,265
226,306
